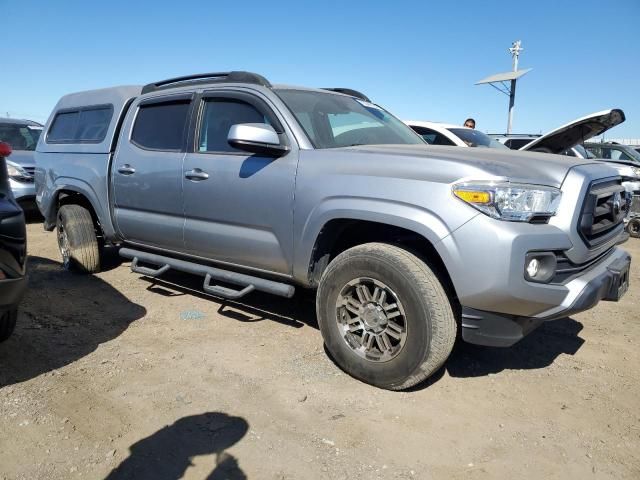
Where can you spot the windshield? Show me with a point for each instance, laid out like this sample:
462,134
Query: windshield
475,138
20,136
331,120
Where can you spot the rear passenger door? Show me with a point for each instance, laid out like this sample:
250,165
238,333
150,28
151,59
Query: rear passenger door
147,172
238,206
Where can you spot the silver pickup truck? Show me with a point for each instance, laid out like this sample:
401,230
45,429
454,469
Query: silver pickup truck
255,186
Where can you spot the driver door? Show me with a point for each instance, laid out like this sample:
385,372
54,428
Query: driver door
238,206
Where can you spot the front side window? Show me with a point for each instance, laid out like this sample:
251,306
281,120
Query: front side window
332,120
218,116
20,137
161,125
85,125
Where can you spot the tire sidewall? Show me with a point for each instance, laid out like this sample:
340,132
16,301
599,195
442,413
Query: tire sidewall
7,324
394,372
633,227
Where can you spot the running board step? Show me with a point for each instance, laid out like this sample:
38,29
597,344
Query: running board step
248,283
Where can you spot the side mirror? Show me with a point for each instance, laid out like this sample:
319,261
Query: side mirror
256,138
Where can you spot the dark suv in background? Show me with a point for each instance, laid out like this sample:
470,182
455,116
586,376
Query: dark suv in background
13,251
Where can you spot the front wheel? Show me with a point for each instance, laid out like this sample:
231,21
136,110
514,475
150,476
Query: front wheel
384,316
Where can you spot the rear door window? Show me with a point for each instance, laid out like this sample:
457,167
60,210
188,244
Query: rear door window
161,125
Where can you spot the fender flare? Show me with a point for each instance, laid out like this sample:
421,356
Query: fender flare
101,209
410,217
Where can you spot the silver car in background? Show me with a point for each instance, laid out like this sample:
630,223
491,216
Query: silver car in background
23,137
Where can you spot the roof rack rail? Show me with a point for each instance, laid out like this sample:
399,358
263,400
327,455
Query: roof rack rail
231,77
350,91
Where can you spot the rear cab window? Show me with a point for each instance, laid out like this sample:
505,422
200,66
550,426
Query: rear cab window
82,125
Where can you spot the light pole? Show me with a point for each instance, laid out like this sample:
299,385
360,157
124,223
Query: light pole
498,81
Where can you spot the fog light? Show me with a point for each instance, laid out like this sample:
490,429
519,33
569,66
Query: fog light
533,267
540,267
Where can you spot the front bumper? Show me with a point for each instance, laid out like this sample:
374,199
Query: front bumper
608,280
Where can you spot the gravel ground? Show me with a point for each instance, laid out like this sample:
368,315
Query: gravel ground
114,376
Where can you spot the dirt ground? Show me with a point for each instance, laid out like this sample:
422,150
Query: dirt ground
114,376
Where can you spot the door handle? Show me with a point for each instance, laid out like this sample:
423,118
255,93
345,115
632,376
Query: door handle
196,175
126,169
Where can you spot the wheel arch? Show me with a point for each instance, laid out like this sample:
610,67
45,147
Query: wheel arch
78,195
339,234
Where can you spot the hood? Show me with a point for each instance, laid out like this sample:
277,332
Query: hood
576,132
450,164
23,157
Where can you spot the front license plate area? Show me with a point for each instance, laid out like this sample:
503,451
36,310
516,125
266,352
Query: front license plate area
619,280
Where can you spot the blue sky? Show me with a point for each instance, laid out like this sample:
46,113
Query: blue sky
418,59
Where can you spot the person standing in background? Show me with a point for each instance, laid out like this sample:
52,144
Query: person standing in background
470,123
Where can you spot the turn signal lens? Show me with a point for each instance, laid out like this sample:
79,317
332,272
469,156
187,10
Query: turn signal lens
471,196
513,202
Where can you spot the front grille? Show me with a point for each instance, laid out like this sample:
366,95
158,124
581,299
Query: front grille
603,212
566,269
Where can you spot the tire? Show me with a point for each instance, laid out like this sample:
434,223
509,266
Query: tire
7,324
633,227
427,324
77,239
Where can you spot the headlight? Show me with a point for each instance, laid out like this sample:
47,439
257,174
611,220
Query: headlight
514,202
15,171
636,171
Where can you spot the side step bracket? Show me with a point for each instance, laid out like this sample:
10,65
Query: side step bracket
149,272
247,283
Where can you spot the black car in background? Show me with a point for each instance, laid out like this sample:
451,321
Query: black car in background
13,251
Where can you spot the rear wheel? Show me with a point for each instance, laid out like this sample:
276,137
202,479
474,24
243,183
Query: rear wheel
633,227
7,324
77,239
384,316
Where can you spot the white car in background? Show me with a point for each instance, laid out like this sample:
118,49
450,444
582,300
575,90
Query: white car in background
435,133
564,140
